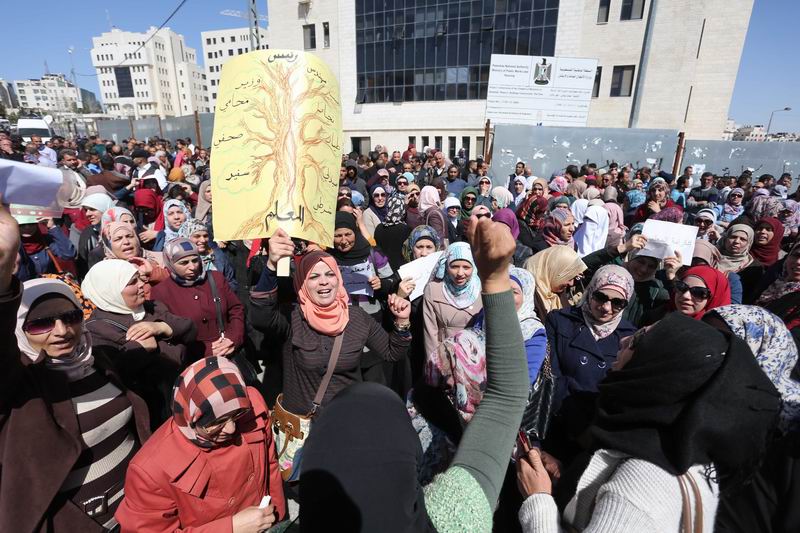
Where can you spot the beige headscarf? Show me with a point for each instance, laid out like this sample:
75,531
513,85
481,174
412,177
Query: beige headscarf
552,267
203,205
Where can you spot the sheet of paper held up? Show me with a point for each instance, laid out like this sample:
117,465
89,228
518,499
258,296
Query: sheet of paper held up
663,238
420,271
356,278
277,147
33,185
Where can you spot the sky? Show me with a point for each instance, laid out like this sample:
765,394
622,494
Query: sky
768,79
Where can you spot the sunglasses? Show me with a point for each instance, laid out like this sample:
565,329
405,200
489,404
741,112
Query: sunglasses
483,215
703,222
698,293
379,195
345,194
737,195
617,304
469,199
46,324
213,429
402,183
485,182
413,194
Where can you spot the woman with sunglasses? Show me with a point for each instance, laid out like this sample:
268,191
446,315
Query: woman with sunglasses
377,209
584,340
69,426
142,338
393,231
698,290
732,209
657,199
211,465
706,222
485,192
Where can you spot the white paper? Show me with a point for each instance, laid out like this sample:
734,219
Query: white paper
420,271
264,502
356,278
672,236
27,184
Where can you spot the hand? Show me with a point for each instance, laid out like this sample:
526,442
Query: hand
492,249
280,246
653,206
375,283
672,265
636,242
133,184
400,308
222,347
150,344
406,287
254,520
144,330
48,222
713,235
532,476
221,244
9,246
358,213
145,267
552,465
148,235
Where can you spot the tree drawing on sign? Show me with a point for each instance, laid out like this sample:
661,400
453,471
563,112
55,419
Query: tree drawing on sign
295,132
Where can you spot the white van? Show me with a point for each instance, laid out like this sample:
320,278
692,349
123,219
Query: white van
33,126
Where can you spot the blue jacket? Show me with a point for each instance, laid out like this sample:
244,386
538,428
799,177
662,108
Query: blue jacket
61,247
579,361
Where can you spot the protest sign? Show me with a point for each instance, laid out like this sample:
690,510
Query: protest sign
41,190
356,278
663,238
420,271
276,148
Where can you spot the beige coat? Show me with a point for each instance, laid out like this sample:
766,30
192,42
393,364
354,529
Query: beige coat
441,319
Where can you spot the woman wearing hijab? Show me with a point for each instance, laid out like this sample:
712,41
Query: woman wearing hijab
413,213
665,418
735,247
393,231
308,331
378,479
376,213
523,252
430,207
518,186
555,271
584,340
149,210
707,254
766,251
452,299
468,199
790,217
452,213
96,202
501,198
616,222
485,192
698,290
557,230
203,210
45,245
69,426
146,343
657,199
592,234
211,464
558,186
175,215
119,241
532,213
212,257
732,209
191,293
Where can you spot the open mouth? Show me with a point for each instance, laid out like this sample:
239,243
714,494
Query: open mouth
324,292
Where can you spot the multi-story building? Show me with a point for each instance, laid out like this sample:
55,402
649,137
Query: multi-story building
420,73
730,130
755,133
143,75
7,95
221,45
52,93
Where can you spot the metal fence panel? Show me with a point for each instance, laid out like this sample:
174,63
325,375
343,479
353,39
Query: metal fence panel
171,128
733,157
552,149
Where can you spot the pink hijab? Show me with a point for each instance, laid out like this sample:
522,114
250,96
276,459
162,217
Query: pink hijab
616,226
428,197
329,320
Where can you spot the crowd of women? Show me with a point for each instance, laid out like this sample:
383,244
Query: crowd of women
553,372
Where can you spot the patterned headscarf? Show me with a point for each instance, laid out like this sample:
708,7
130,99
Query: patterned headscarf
206,391
465,295
420,232
169,232
559,184
781,286
792,220
189,228
607,277
395,210
775,352
551,229
458,367
174,251
528,321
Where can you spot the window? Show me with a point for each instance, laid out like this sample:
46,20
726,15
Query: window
412,139
479,144
326,35
451,145
465,146
632,10
597,76
209,55
230,51
437,141
602,12
622,81
233,38
309,37
426,141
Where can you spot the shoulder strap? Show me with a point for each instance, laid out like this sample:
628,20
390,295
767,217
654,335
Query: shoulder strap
217,302
698,504
685,481
108,321
326,380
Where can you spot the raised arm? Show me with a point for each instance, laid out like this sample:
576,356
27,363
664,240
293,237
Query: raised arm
10,293
264,313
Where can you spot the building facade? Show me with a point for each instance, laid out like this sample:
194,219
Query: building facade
140,76
418,73
7,95
52,93
221,45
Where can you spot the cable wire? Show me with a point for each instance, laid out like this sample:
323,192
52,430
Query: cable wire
174,11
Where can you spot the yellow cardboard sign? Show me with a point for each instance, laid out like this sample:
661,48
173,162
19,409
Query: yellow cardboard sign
277,147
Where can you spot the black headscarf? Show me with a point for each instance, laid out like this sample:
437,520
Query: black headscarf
361,248
360,466
698,398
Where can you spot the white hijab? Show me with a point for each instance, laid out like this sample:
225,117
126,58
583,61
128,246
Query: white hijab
593,233
104,284
77,365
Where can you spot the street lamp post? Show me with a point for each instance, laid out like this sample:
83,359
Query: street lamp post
769,125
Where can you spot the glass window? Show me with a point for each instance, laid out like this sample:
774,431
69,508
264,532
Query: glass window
309,37
632,10
602,11
326,35
597,76
437,141
465,146
412,139
451,144
479,142
622,80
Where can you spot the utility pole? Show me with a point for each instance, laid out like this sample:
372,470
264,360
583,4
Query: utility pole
255,31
